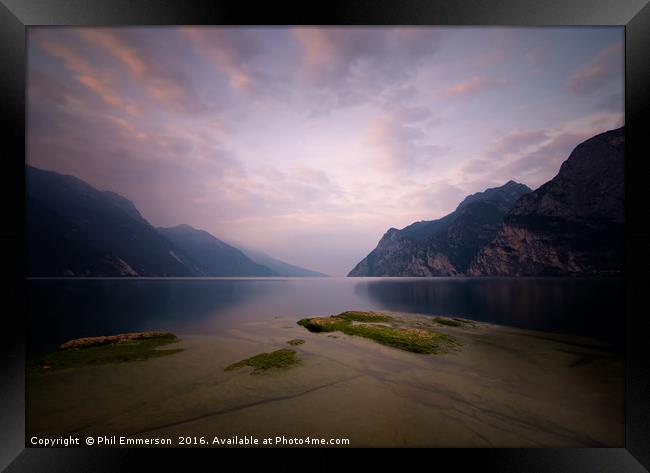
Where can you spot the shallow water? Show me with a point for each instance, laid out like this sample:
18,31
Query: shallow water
503,387
62,309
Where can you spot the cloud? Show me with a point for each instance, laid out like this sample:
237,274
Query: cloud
474,86
612,103
602,69
300,190
163,172
477,167
533,156
111,42
356,64
108,96
402,143
207,126
545,160
433,200
71,59
89,77
233,51
411,114
149,65
516,142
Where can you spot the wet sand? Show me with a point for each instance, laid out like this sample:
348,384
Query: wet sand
505,387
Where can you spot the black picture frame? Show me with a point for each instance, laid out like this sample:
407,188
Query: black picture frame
634,15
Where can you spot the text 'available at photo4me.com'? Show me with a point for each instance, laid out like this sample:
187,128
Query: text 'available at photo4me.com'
186,441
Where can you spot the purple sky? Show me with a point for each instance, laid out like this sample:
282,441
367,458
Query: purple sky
309,143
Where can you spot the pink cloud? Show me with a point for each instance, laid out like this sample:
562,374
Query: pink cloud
516,142
90,78
603,68
108,96
321,52
229,50
475,85
356,64
120,50
164,84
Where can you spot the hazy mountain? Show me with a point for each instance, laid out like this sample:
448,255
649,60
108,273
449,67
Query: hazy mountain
74,229
443,247
280,268
572,225
213,256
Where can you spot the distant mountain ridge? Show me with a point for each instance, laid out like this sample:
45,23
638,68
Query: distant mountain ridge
446,246
75,230
213,256
571,226
279,267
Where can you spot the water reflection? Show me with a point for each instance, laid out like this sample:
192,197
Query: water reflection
588,307
63,309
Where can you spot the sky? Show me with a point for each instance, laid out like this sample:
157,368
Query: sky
309,143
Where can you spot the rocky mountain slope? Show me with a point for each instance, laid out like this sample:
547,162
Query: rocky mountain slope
443,247
572,225
213,256
76,230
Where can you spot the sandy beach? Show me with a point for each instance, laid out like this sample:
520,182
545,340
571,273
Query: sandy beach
504,387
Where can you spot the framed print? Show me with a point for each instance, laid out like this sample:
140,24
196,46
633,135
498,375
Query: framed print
360,225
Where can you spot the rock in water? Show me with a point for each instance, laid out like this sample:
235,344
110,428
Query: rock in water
109,339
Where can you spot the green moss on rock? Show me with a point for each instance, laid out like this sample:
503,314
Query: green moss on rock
417,340
98,351
358,316
454,322
278,359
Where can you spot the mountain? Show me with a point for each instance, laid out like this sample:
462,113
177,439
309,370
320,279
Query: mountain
74,229
214,257
572,225
443,247
280,268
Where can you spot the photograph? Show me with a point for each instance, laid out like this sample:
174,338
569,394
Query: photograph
297,236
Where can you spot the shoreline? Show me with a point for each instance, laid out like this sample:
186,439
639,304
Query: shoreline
505,387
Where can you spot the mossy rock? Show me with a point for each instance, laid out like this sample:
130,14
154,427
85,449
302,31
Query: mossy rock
358,316
332,323
296,341
454,322
275,360
123,349
417,340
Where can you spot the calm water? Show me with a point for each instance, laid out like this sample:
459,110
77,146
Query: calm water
63,309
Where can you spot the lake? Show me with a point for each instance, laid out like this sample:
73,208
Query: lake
63,309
